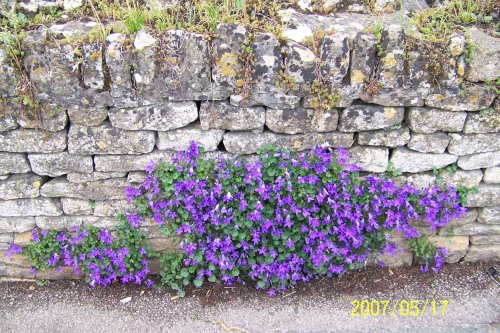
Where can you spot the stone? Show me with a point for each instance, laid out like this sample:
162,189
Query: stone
370,159
483,253
137,177
7,120
488,195
118,56
465,178
334,51
181,139
414,5
387,137
146,80
301,120
13,163
476,98
76,177
411,161
369,117
273,100
19,186
16,224
107,189
52,119
106,139
30,207
429,143
469,217
8,73
22,238
471,229
163,117
453,62
260,87
299,67
72,206
162,244
88,117
7,237
419,181
113,208
67,222
57,66
478,161
18,266
363,59
247,143
489,215
32,141
402,257
492,175
300,26
428,120
222,115
67,273
226,48
473,143
186,71
477,123
395,97
456,246
125,163
484,64
485,240
391,65
58,164
92,70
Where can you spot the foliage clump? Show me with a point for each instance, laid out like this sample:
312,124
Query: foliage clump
280,219
101,255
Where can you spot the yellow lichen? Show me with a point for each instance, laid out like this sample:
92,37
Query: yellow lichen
227,64
461,70
474,97
101,145
39,72
389,113
95,56
389,60
357,77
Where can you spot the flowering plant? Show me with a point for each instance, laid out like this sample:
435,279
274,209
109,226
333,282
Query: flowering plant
281,218
102,256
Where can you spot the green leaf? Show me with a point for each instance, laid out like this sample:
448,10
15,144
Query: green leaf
198,283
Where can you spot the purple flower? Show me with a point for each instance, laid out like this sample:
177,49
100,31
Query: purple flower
61,237
35,236
150,167
105,237
134,220
13,249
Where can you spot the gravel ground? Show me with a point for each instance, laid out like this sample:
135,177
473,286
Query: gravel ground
321,306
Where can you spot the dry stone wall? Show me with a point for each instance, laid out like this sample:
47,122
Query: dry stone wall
114,106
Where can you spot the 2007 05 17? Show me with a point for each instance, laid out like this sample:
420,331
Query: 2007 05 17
404,308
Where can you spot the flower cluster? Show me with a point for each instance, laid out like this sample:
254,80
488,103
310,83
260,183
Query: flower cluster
279,219
104,257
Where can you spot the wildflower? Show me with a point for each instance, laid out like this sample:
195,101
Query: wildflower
13,249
